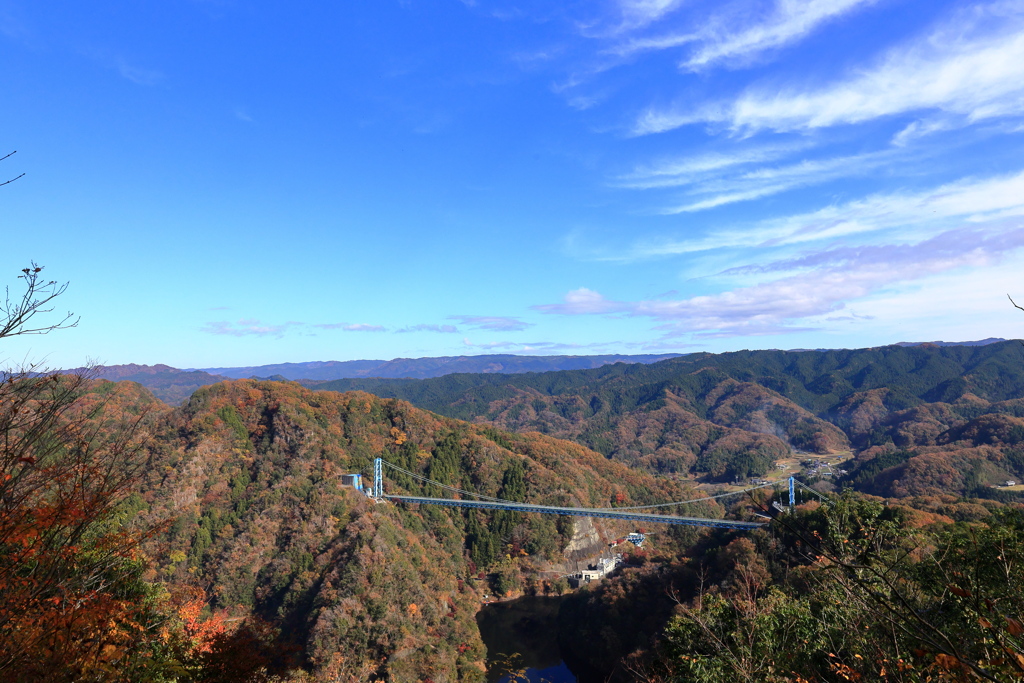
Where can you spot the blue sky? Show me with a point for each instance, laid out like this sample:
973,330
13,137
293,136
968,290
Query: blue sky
228,182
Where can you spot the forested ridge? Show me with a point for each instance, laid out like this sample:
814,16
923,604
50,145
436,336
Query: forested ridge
731,415
815,380
241,519
250,545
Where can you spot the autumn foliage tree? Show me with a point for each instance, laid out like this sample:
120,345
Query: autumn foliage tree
73,605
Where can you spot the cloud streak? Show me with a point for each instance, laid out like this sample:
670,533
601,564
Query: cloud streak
139,75
768,181
444,329
351,327
530,347
972,67
248,327
925,212
792,21
825,282
727,39
490,322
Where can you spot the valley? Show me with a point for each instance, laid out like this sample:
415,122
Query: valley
244,489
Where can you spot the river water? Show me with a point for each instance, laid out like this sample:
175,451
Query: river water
522,636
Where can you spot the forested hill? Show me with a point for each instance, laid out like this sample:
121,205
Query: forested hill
170,385
732,415
248,472
818,381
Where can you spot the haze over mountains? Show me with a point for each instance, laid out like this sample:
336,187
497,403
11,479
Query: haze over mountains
174,385
423,368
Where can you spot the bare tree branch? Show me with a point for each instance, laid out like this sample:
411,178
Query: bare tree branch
16,177
16,313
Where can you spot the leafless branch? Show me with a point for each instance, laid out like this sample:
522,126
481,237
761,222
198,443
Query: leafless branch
16,313
16,177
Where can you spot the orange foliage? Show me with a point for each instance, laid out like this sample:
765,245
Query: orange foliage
71,601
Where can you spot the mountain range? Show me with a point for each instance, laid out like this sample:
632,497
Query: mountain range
174,386
953,413
422,368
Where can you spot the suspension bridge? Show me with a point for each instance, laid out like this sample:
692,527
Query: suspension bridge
469,499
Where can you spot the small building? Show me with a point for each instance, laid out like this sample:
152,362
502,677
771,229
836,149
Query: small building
353,480
595,572
1009,482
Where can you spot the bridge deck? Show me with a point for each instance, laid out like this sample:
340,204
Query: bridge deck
582,512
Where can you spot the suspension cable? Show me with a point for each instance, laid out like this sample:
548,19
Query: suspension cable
445,486
694,500
808,488
618,509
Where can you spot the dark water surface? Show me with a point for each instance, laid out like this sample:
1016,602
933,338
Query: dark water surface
522,635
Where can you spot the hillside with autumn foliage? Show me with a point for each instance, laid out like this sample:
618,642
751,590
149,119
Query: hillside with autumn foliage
247,474
226,529
943,416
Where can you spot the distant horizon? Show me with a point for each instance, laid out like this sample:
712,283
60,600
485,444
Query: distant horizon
210,368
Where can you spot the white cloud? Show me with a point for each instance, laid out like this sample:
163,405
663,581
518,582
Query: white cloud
827,280
923,128
764,182
444,329
139,75
351,327
918,213
691,168
530,347
972,67
492,322
729,37
255,328
791,21
583,301
248,328
637,14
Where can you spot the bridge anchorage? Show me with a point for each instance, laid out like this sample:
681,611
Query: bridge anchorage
628,513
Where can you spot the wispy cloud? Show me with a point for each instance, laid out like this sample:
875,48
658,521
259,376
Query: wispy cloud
351,327
791,21
248,328
531,347
688,169
826,282
973,67
495,323
629,16
729,38
916,130
925,212
256,328
584,301
767,181
444,329
139,75
637,13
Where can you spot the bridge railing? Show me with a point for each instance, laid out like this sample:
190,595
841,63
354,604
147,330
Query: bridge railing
580,512
489,503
